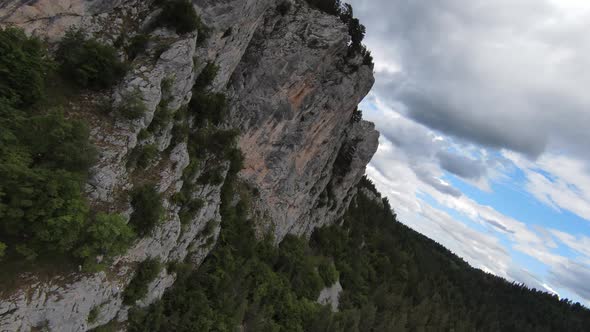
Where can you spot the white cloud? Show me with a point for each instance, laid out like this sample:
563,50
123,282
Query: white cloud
558,181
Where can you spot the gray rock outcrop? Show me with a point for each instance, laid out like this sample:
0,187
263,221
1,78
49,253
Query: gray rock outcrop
292,91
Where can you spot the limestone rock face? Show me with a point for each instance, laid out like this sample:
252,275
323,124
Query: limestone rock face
294,95
292,91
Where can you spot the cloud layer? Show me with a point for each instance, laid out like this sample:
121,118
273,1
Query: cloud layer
503,74
491,93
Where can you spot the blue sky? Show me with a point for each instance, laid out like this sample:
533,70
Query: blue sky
483,111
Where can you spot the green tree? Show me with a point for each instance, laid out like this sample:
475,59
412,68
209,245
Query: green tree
87,62
108,235
181,16
24,65
146,272
147,209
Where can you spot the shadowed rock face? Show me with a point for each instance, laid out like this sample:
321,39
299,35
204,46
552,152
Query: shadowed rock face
292,92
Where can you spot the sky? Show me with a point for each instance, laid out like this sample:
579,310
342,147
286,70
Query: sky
483,108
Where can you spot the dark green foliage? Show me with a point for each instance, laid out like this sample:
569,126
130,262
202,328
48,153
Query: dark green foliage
23,68
132,106
344,158
332,7
357,116
180,132
237,285
43,163
143,156
63,145
296,261
209,228
367,57
111,326
146,272
137,45
108,235
328,272
147,209
208,107
189,210
395,279
211,176
93,314
216,142
87,62
180,15
355,29
162,118
206,77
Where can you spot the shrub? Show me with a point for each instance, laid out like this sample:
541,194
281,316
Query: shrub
108,236
137,45
328,272
147,209
189,210
23,67
299,266
332,7
209,107
180,132
132,106
209,228
93,314
357,116
63,143
180,15
143,156
368,58
206,76
87,62
143,134
211,176
162,117
137,289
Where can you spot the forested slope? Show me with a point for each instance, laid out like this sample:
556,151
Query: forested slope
394,279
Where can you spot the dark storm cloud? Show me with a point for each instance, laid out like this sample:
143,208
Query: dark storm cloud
461,166
495,73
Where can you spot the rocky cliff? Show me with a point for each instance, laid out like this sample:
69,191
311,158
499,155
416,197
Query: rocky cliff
292,91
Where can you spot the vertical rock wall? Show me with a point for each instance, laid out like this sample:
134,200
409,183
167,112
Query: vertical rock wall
292,93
